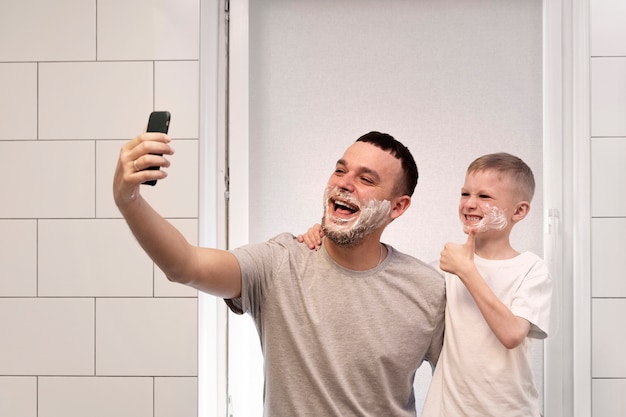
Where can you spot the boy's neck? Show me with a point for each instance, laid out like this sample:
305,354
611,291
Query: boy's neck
495,248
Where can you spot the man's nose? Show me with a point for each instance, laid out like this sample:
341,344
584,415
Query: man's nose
346,183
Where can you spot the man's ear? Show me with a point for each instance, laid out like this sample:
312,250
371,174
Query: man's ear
400,205
521,210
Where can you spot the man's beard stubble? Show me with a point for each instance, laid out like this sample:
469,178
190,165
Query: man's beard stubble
349,233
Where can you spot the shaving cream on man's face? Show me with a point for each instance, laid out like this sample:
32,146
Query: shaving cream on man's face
350,230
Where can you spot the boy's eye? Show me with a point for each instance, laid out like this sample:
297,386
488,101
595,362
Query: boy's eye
464,194
484,196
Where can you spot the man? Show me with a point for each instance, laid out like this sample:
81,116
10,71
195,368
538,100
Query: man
343,329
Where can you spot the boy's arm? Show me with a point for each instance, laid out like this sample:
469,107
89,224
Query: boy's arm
210,270
511,330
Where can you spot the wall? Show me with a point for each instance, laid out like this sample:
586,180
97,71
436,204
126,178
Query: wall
89,325
608,206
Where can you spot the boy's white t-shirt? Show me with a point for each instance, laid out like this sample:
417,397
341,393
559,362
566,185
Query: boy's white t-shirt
476,375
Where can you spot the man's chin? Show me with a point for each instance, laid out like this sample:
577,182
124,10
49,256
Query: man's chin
346,238
342,240
339,237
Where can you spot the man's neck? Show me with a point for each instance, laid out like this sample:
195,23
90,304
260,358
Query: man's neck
361,257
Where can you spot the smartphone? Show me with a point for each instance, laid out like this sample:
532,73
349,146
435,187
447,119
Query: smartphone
159,121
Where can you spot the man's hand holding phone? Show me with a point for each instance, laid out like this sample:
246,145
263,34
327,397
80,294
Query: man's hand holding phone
159,121
140,161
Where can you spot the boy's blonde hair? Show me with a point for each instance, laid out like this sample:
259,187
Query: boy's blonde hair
521,175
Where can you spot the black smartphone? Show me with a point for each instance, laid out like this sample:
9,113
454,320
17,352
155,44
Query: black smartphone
159,121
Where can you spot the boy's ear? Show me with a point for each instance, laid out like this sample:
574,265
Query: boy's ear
521,210
400,205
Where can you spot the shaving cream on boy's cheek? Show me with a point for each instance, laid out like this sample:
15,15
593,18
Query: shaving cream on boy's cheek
493,219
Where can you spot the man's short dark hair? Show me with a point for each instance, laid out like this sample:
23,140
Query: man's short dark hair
388,143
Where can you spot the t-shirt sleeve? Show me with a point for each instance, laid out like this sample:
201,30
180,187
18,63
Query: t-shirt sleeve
436,344
257,263
534,298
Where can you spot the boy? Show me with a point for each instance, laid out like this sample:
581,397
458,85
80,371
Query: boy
497,300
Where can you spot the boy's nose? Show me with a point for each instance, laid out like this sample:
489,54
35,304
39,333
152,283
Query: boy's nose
470,202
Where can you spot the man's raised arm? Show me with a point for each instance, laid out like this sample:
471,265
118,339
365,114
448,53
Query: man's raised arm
209,270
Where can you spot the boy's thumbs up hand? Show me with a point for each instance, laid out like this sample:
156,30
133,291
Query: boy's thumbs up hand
470,243
458,259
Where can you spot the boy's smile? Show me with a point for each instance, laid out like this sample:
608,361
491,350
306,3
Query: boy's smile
472,219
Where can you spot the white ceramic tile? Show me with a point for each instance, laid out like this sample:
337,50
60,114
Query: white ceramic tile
608,31
176,88
162,286
608,96
608,177
176,196
148,29
608,335
608,399
47,336
18,396
142,337
94,100
608,263
91,258
18,258
42,30
95,397
175,397
18,101
47,179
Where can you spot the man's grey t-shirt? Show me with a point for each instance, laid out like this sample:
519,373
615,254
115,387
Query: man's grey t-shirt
338,342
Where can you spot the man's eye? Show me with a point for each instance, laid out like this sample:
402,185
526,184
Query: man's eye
367,180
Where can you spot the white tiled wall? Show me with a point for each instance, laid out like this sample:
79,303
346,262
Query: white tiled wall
608,206
18,396
97,397
18,258
18,83
88,324
47,336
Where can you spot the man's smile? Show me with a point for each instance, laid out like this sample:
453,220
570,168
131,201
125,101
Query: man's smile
343,208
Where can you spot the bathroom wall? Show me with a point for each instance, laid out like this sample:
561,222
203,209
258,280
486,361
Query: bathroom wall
608,206
88,325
